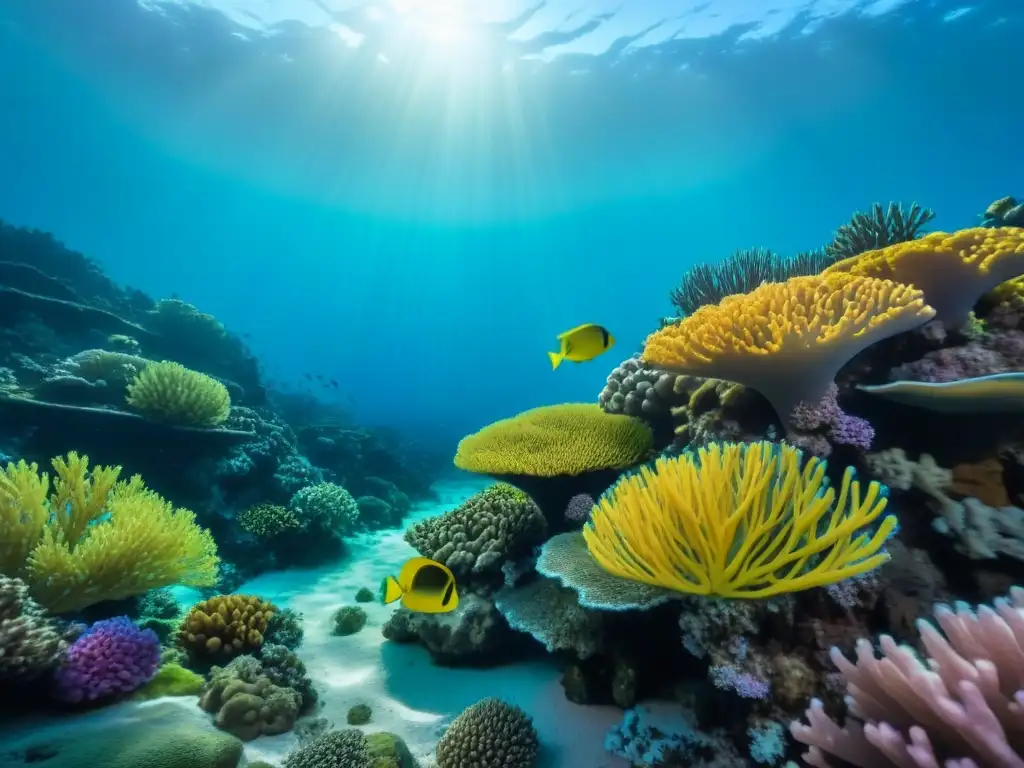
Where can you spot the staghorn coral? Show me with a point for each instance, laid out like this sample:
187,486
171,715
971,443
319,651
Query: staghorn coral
336,749
246,703
552,614
743,271
492,526
877,229
30,643
740,521
110,658
268,520
788,340
959,706
326,506
566,439
95,538
225,625
170,392
489,734
952,270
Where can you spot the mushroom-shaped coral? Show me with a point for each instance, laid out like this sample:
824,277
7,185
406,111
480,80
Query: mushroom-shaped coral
495,525
489,734
225,625
30,644
953,270
170,392
335,749
788,340
112,657
538,449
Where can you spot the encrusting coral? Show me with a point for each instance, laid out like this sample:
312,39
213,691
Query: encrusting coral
247,703
788,340
170,392
30,643
492,526
225,625
95,538
738,521
489,734
953,270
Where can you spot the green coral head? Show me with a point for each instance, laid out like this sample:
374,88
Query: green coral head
170,392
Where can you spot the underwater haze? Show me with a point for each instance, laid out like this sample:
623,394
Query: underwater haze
416,197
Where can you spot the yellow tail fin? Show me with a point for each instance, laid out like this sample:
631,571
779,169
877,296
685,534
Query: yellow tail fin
556,359
390,590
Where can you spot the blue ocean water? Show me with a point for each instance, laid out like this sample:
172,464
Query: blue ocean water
415,198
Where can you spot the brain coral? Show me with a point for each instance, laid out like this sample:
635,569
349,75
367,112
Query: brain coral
788,340
953,270
567,439
489,734
483,532
225,625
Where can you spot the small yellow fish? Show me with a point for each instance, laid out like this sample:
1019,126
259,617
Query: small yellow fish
423,585
582,343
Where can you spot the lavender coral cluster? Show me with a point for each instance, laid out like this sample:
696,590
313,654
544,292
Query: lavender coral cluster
112,657
816,425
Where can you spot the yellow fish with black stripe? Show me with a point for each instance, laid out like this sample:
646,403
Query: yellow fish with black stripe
422,585
582,343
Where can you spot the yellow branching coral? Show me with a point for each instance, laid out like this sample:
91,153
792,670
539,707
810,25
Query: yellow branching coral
553,440
225,625
96,538
739,521
173,393
788,340
953,270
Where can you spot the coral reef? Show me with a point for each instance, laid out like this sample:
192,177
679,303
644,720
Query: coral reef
225,625
246,703
171,680
335,749
879,228
30,643
489,734
111,658
168,391
348,620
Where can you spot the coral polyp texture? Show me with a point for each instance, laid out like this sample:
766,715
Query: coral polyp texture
959,706
738,521
113,657
953,270
328,507
225,625
30,643
347,748
490,527
567,439
172,393
489,734
788,340
268,520
95,537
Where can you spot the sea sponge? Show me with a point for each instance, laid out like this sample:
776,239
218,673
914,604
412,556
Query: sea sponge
567,439
112,657
30,643
327,506
336,749
738,521
171,680
489,734
225,625
247,704
96,538
170,392
788,340
268,520
953,270
487,529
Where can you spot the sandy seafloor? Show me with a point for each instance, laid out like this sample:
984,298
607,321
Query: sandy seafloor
409,695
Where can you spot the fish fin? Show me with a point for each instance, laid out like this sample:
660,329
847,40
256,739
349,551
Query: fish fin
556,359
390,590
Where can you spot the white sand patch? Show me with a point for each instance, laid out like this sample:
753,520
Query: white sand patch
409,695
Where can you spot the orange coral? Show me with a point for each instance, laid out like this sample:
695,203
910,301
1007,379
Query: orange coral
225,625
788,340
953,270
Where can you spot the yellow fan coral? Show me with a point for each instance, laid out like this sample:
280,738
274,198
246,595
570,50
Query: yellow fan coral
567,439
171,392
96,538
953,270
788,340
740,521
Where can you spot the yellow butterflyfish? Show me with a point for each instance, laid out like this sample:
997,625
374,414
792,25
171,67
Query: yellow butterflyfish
582,343
422,585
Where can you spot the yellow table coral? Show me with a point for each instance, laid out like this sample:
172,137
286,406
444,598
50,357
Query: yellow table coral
95,537
740,521
788,340
953,270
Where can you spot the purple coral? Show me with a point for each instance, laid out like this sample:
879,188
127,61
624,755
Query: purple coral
113,656
578,508
843,428
746,685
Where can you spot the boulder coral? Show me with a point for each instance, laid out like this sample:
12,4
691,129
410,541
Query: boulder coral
225,625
